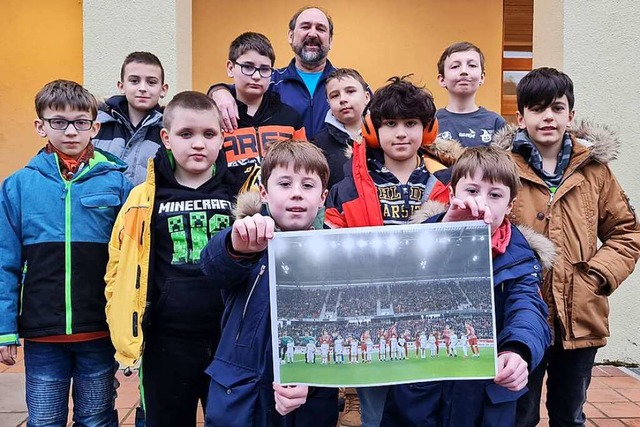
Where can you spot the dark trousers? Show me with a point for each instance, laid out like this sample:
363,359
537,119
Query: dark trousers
174,380
568,378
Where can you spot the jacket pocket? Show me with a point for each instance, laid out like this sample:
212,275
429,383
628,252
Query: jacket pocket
100,210
589,310
100,200
233,395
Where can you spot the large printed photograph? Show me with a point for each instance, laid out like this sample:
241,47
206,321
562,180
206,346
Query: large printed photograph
382,305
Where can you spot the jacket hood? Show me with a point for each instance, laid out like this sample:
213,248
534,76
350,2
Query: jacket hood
601,141
331,119
164,165
250,203
446,151
117,105
269,106
102,161
544,248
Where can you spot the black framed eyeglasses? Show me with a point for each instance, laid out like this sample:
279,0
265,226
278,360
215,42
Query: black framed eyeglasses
63,124
250,70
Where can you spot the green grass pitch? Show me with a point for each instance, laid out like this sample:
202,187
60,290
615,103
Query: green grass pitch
395,371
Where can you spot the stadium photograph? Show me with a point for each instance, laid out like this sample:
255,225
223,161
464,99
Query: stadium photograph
382,305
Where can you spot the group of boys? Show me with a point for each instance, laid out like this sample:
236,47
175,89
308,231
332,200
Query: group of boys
186,285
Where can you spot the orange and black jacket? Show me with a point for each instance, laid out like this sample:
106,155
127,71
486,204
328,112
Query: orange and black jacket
245,147
354,201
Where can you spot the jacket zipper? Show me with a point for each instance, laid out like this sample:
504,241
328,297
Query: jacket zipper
67,259
67,247
246,304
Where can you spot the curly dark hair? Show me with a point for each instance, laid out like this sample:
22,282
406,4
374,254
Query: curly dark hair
401,99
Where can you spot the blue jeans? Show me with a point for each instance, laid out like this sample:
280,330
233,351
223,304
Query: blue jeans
568,378
372,400
49,368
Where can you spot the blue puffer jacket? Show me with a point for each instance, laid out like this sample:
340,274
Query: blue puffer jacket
241,390
53,246
288,83
521,326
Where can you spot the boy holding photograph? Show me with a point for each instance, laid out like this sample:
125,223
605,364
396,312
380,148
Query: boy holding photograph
394,170
242,392
484,184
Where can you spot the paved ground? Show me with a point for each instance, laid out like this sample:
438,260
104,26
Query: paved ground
613,397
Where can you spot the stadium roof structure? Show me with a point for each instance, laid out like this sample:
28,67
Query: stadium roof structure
372,255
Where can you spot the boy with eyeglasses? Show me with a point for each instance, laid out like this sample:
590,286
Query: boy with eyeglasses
56,216
262,116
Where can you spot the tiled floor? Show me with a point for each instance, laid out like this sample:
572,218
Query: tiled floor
613,398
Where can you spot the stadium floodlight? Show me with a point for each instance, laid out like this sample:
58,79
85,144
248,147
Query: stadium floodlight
348,244
317,246
376,243
392,243
280,246
475,258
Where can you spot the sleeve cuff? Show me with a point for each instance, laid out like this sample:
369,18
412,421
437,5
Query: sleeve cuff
519,348
9,339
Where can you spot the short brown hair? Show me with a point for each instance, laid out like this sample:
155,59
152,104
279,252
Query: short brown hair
143,58
251,41
62,94
496,166
302,154
341,73
189,100
459,47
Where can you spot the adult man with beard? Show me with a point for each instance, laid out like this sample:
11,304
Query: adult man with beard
302,83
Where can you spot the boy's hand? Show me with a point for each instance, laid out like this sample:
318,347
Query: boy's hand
227,106
470,208
251,234
512,371
290,397
8,354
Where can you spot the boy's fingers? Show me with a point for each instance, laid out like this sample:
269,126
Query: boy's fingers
270,227
488,218
261,228
7,357
240,230
233,115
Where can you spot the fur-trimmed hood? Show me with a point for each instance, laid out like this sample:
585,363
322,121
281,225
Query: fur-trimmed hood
446,151
250,203
542,246
601,141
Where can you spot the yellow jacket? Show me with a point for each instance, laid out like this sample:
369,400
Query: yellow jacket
128,271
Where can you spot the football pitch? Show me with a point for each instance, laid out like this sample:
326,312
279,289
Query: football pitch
390,371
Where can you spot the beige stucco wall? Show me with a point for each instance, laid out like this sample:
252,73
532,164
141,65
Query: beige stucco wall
115,28
595,42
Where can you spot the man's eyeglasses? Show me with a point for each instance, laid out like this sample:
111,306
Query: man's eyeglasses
63,124
250,70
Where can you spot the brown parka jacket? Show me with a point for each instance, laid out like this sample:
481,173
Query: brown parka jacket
589,205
